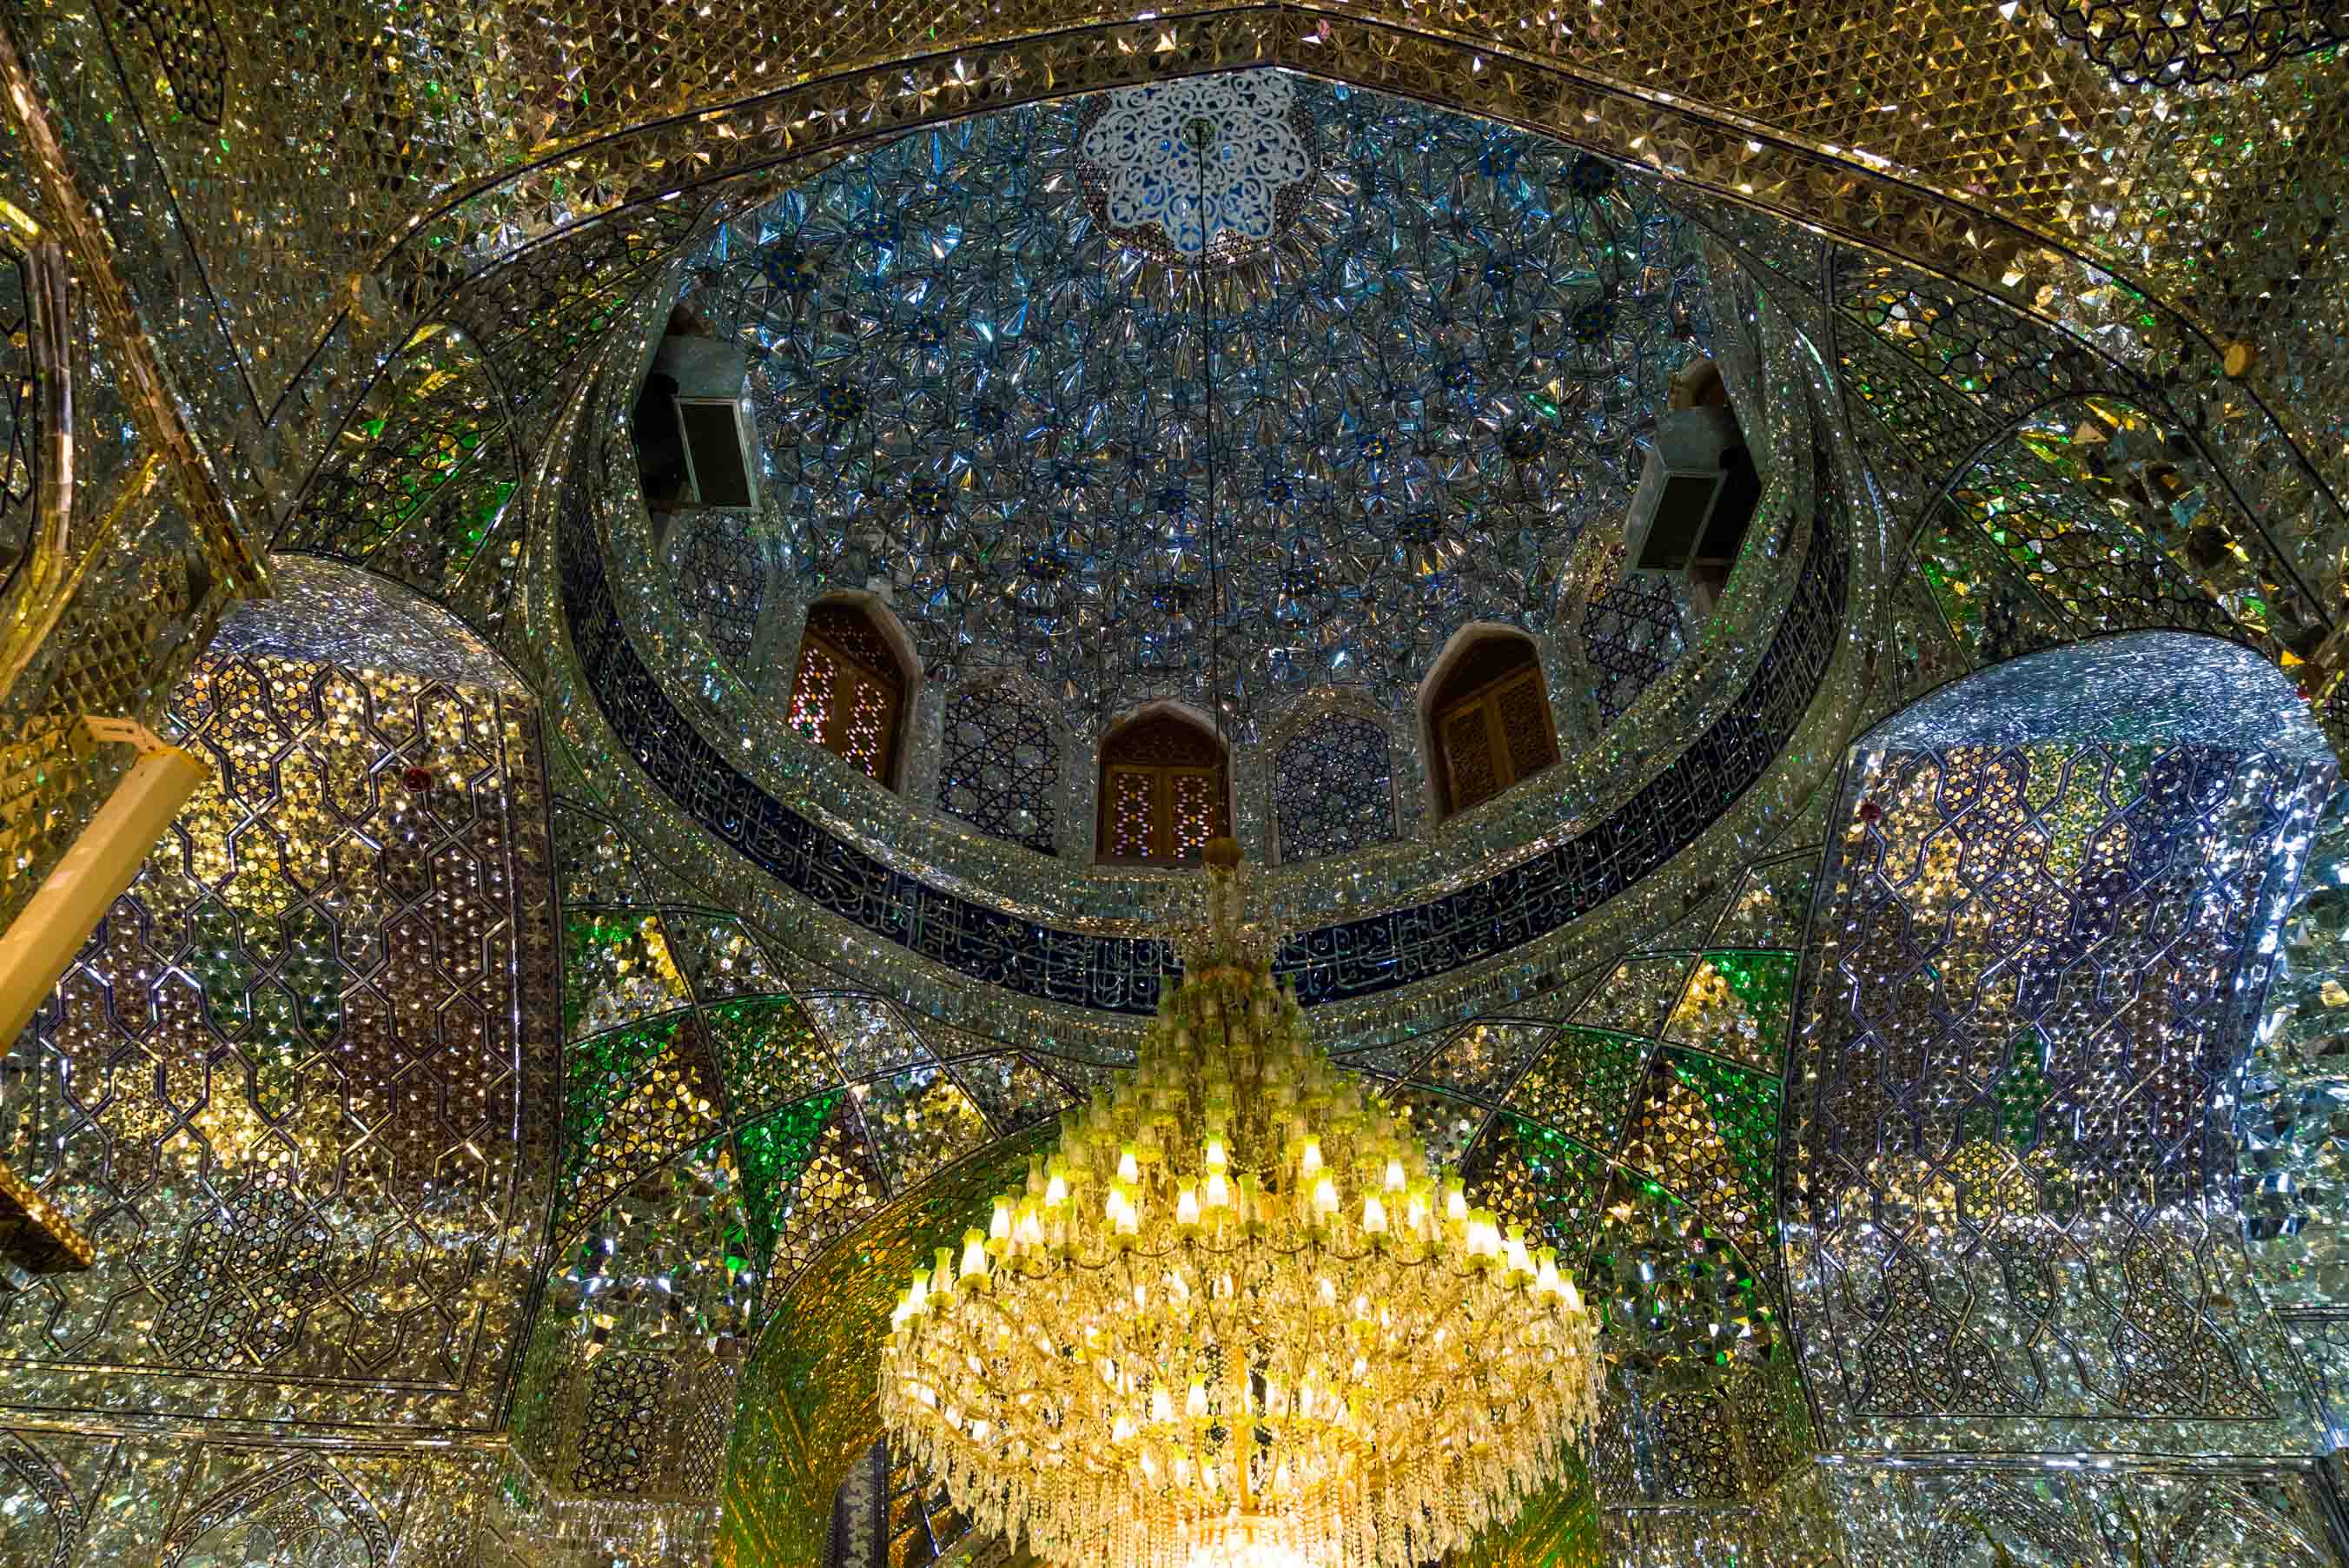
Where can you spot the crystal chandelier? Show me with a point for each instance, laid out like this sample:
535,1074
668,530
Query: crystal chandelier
1234,1320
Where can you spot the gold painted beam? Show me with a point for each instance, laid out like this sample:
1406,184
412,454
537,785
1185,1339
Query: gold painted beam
43,939
34,1236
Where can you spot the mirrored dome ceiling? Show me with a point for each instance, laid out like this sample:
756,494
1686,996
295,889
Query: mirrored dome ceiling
1058,372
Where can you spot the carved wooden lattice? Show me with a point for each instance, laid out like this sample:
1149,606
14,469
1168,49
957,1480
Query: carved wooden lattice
849,694
1163,793
1493,724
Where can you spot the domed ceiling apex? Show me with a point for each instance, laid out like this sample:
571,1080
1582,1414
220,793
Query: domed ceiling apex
1421,366
1208,166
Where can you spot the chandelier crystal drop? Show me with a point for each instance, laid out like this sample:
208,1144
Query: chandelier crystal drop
1236,1320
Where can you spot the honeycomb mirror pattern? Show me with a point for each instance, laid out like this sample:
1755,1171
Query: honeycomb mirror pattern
291,1075
2020,1049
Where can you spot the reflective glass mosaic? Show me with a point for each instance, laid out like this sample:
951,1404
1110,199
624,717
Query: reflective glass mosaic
1333,787
1000,766
1121,974
2129,415
1421,358
297,1080
20,414
722,578
1632,632
2037,963
2292,1123
417,488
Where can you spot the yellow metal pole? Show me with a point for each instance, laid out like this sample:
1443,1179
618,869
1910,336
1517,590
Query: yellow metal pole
48,931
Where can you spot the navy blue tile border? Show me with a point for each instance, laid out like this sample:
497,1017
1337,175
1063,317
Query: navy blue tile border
1122,975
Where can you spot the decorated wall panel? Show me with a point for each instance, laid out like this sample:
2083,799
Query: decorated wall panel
2291,1130
419,488
1632,631
2295,1088
297,1085
1000,766
721,576
628,1385
190,1503
1960,1517
2046,914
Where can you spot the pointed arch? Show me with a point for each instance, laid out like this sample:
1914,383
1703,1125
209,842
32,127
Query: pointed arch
1484,717
391,760
1165,788
853,684
2010,1054
39,1484
254,1501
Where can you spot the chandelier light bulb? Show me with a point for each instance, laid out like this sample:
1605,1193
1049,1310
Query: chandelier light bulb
1236,1319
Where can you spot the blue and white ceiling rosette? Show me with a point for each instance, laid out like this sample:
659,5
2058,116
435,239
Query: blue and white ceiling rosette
1153,185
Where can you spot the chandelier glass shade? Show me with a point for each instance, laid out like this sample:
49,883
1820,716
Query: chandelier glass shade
1234,1320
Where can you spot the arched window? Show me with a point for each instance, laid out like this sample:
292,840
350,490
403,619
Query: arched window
1490,722
1000,768
1163,791
849,696
1333,787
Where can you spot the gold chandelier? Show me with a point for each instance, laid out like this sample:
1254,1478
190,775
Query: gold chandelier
1234,1321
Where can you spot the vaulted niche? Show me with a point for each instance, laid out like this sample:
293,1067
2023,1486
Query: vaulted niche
849,694
1489,721
1165,790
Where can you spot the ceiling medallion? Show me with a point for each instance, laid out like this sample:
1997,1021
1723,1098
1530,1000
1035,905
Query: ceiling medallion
1150,187
1236,1320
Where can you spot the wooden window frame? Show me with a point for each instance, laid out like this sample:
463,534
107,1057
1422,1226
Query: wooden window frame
1487,697
1163,777
853,677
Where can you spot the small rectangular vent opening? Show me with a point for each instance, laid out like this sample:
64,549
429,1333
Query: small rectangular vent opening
1678,522
1695,501
719,452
